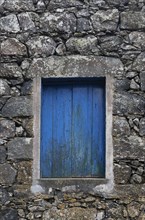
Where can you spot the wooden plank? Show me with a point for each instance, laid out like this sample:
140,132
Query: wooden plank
87,139
46,131
61,133
57,135
81,131
98,132
67,160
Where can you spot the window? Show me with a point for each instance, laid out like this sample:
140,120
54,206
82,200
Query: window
72,139
78,150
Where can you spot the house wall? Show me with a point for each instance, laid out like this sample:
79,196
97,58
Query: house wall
42,38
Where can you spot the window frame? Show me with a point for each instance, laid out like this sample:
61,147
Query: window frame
84,183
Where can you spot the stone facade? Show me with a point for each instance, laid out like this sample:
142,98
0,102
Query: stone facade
39,36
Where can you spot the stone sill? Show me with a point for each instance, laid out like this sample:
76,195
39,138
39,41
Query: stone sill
71,184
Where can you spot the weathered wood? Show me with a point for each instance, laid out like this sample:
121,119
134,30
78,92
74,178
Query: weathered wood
73,129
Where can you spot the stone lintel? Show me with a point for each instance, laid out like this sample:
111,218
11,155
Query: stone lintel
75,66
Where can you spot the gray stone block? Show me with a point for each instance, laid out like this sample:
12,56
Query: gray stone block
127,103
4,195
87,45
10,70
3,154
19,5
142,127
83,25
105,20
142,80
18,106
137,39
132,147
13,47
76,66
28,126
70,213
58,22
7,128
134,209
4,87
122,173
2,102
41,46
132,20
120,127
27,21
64,3
9,23
98,3
7,174
110,43
122,84
20,148
139,63
117,2
9,214
26,88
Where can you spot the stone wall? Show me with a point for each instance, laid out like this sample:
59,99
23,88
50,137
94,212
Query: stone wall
48,29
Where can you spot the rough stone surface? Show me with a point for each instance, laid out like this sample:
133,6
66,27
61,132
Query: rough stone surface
28,126
132,147
9,214
83,25
7,128
24,172
19,5
20,148
127,103
137,39
10,70
12,46
134,85
121,127
4,196
64,3
139,62
110,43
18,106
2,154
142,79
114,211
76,65
70,214
7,174
132,20
4,87
2,102
142,127
121,84
9,24
122,173
105,20
26,88
136,179
26,21
117,2
42,45
133,209
83,45
60,22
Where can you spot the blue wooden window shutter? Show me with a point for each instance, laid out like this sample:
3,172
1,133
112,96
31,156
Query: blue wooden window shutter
72,128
